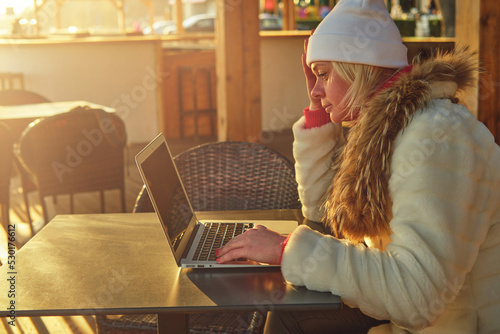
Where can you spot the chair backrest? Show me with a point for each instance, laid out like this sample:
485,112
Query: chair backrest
234,176
6,143
11,81
14,97
78,151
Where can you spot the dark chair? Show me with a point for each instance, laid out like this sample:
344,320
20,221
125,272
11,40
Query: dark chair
6,143
14,97
221,176
74,152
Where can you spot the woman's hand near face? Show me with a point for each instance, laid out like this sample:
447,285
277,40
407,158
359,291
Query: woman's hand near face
258,244
314,104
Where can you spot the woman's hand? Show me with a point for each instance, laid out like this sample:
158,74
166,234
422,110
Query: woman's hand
314,104
258,244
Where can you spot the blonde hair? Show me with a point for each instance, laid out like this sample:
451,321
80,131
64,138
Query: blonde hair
363,80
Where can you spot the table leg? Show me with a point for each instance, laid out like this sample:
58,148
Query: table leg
173,323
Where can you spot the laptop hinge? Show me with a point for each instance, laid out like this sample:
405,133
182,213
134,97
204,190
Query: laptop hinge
191,240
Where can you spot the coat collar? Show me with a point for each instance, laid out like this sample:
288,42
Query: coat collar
358,203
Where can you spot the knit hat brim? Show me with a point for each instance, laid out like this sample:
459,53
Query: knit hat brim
344,48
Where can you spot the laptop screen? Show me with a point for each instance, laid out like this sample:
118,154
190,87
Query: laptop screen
167,194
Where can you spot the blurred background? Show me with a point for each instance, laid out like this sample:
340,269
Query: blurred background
33,18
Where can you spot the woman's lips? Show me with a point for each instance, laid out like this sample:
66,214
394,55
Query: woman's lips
328,108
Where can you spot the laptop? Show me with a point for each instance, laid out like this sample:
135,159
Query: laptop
193,241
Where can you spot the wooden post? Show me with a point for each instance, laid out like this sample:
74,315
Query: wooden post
150,4
476,27
289,15
121,14
151,12
489,81
58,13
238,70
467,33
179,16
35,14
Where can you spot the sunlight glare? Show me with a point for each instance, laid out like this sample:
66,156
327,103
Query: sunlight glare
18,5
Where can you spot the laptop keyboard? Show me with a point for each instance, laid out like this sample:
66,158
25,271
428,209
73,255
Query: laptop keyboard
215,236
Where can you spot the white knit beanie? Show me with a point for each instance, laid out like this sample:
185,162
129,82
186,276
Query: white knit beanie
358,31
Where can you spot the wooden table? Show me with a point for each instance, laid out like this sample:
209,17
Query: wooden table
19,116
122,264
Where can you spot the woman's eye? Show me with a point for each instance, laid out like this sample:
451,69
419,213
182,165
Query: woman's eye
322,76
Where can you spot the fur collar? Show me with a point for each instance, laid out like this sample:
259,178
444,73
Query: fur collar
358,204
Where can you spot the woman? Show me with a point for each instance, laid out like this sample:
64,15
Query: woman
412,195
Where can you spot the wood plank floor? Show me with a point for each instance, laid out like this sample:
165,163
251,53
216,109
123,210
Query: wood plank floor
89,203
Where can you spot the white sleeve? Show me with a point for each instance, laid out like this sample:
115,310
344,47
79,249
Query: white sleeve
443,188
313,150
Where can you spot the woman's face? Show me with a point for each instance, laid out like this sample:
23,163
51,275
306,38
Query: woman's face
331,89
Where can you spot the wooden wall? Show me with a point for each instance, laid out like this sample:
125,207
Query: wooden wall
116,72
489,81
477,27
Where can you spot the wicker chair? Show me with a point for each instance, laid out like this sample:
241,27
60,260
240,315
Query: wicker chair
5,172
221,176
79,151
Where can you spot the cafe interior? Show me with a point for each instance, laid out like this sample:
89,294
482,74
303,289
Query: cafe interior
214,76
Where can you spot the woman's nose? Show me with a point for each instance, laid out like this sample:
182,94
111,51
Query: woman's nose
318,90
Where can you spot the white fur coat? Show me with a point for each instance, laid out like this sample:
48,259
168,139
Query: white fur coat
436,269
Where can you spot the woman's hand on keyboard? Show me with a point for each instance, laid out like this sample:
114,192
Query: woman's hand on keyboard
258,244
